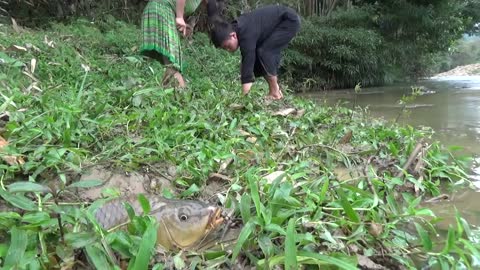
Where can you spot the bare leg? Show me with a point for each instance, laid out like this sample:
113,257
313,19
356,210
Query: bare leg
274,92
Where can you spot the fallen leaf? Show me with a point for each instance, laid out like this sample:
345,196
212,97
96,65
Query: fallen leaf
225,164
17,48
346,138
33,86
244,133
285,112
375,229
252,139
33,65
31,46
28,74
15,26
247,154
11,160
235,106
300,113
49,43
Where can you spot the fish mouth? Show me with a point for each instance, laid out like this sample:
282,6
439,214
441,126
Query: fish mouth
215,219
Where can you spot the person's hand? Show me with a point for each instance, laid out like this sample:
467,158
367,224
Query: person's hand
181,25
246,88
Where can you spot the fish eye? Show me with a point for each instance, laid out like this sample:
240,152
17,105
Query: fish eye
183,217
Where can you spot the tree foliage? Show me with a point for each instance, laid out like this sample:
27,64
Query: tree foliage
342,42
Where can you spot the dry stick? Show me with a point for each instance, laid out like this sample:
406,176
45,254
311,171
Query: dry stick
411,158
369,181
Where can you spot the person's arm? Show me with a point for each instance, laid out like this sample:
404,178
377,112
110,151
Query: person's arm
179,21
248,62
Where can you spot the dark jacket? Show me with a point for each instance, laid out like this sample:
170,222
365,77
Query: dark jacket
252,29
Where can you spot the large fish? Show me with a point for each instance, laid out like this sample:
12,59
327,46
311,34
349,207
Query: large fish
182,223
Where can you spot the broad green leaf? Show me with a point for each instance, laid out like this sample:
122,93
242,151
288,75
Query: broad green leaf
255,195
191,190
245,204
323,192
424,212
290,247
147,246
242,238
233,124
3,250
9,215
98,257
36,218
144,203
86,184
120,242
392,203
18,200
322,261
462,225
27,187
426,241
80,239
129,209
266,245
473,250
272,227
450,241
16,251
443,264
347,207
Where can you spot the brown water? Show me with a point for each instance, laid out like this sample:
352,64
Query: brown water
451,106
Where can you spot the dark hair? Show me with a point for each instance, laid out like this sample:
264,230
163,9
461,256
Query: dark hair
220,32
220,28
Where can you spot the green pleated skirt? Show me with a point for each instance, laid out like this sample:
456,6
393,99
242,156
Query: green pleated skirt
160,35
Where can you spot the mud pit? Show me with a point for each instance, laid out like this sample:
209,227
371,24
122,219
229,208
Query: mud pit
152,180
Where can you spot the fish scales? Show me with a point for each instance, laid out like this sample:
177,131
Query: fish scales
113,213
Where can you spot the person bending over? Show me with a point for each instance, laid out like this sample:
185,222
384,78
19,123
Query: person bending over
261,35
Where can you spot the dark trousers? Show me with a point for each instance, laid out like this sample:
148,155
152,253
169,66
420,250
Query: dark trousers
269,53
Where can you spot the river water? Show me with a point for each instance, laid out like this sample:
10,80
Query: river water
451,106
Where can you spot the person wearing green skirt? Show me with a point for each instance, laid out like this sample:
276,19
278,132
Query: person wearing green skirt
162,21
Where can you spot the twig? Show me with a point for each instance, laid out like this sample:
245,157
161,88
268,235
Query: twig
411,158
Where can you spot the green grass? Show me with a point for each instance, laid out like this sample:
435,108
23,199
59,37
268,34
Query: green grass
95,101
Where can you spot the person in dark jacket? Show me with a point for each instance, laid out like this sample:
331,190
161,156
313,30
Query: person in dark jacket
261,35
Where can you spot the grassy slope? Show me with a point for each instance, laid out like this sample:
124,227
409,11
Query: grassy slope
116,113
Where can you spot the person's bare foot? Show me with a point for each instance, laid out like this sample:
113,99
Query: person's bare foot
274,97
275,93
180,80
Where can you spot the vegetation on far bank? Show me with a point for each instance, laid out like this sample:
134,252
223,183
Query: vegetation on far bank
79,94
341,43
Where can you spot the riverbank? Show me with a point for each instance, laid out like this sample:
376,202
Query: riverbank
310,184
467,70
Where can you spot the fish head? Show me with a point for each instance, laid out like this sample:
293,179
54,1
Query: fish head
185,223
